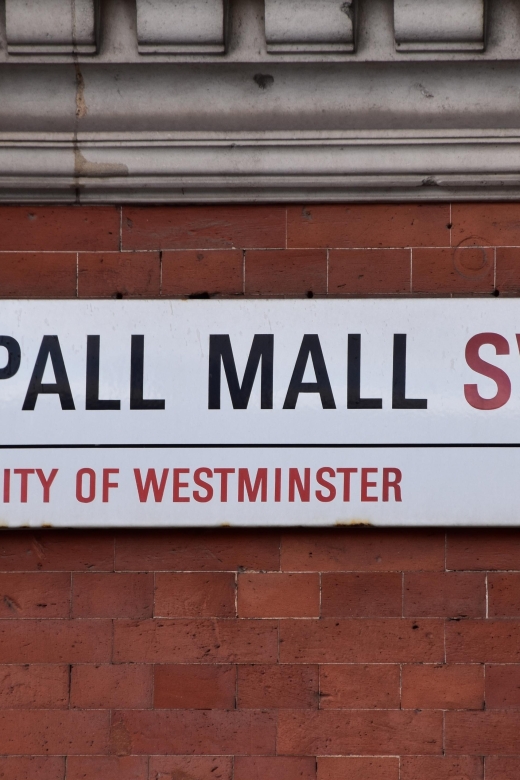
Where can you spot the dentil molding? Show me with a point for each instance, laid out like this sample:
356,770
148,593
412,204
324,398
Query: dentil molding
259,100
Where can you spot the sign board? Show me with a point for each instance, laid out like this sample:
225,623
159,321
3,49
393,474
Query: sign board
267,412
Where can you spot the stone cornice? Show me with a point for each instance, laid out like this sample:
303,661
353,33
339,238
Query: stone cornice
252,124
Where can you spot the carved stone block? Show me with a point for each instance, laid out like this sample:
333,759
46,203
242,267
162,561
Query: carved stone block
439,25
181,26
310,25
51,26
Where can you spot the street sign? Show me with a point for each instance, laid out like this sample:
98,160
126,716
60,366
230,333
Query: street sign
259,412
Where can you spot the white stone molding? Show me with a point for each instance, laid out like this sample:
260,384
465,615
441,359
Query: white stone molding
439,25
249,124
181,26
310,25
51,26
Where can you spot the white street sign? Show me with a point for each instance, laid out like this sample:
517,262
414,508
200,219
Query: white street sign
267,412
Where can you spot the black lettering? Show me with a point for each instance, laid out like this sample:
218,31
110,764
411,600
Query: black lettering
354,400
220,352
14,356
137,378
399,399
50,348
310,346
92,399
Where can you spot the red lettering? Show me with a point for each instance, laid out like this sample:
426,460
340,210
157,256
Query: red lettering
346,481
277,485
24,482
46,483
323,482
224,473
245,486
366,485
394,483
152,482
304,488
498,376
200,483
107,485
91,474
178,485
7,485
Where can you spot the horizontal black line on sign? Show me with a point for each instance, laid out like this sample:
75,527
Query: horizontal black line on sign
247,446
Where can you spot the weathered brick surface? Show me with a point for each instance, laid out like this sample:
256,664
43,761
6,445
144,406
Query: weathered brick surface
369,271
112,595
278,595
202,273
235,654
450,594
434,686
278,686
362,595
195,686
356,768
119,275
195,595
111,686
359,686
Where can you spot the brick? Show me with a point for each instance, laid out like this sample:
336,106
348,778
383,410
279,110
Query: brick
34,595
384,640
504,595
196,641
195,686
503,687
356,768
278,595
111,686
32,767
57,551
369,271
54,732
35,686
362,595
442,768
450,594
205,732
482,733
201,273
277,686
37,275
369,732
59,228
350,549
203,227
184,767
363,226
483,641
195,595
495,223
502,767
455,270
286,272
508,270
107,767
119,275
55,641
213,550
275,768
357,686
483,549
431,687
112,595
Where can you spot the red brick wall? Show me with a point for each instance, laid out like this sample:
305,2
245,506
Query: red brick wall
345,654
